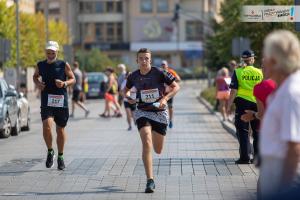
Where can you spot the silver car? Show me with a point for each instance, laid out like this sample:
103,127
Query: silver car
24,112
9,111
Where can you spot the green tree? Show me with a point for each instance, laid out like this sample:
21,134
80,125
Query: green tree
94,60
7,28
218,46
32,35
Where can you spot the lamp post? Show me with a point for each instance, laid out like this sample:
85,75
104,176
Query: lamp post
17,44
46,9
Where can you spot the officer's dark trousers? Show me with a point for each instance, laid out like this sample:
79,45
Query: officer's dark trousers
242,128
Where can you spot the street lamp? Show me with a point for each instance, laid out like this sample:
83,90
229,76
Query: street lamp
46,9
18,43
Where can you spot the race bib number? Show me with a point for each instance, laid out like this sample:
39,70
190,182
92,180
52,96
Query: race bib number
55,100
149,96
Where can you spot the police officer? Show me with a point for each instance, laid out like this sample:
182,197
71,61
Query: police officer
52,77
243,81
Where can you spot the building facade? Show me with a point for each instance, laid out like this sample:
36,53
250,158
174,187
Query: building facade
121,27
25,6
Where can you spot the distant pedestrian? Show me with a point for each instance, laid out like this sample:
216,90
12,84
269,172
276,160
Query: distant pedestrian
77,90
56,75
223,91
280,131
85,87
232,66
111,95
121,78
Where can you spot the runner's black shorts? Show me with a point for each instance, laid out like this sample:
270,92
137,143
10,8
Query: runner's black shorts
132,107
156,126
76,95
170,103
60,115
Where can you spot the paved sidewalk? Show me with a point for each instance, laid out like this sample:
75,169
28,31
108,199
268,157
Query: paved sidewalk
104,160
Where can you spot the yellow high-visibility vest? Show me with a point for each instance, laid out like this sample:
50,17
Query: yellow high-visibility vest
247,78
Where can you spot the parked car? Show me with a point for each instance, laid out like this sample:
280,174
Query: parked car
24,112
96,82
9,120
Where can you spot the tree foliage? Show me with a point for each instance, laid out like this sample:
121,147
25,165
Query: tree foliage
32,35
218,46
94,60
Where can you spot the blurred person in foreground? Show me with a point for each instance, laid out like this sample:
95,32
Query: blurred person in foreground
280,131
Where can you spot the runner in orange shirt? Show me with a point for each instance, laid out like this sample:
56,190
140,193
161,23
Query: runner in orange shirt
165,66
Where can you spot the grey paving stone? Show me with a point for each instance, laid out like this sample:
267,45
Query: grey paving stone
104,160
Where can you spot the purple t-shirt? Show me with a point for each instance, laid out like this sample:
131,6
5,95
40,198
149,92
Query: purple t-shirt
151,86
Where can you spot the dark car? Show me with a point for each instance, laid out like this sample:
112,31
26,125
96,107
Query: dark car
9,111
96,83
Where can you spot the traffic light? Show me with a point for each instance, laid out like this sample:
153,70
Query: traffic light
176,12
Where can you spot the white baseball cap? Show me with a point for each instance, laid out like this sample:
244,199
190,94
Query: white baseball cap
164,62
52,45
122,66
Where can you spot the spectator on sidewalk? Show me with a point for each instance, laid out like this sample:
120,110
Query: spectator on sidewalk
242,83
280,131
223,91
232,66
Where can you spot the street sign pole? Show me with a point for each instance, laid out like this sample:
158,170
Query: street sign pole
297,24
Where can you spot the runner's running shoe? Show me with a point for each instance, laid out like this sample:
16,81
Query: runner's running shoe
150,186
49,161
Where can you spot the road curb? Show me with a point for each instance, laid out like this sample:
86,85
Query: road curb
227,125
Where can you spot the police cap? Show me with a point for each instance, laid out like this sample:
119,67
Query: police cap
248,54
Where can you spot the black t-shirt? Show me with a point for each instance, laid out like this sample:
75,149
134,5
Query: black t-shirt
50,72
150,87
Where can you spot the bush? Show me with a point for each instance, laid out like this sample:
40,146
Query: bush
209,94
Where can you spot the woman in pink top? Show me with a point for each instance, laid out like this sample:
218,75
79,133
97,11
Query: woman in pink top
223,91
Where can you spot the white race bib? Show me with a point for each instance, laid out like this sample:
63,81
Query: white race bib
149,96
55,100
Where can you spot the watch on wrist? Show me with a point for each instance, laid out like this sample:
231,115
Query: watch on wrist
65,84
